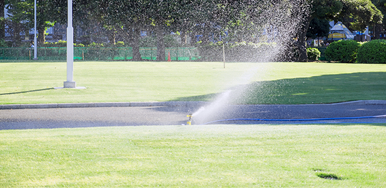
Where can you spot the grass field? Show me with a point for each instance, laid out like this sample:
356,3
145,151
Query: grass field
195,156
268,83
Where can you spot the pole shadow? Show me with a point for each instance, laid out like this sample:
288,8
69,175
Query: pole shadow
29,91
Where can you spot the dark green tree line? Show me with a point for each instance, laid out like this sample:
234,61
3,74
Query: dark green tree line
242,20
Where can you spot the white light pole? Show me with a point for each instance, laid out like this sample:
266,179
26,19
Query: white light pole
35,39
70,83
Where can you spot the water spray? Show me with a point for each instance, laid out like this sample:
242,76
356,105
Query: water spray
272,26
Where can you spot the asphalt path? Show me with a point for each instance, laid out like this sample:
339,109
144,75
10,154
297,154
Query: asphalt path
177,115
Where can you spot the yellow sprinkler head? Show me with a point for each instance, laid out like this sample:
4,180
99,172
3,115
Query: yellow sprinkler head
190,119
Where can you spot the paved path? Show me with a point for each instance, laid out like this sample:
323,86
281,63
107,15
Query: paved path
175,114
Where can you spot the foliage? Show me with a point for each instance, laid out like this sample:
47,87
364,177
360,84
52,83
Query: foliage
147,41
242,20
170,41
361,12
150,41
238,51
120,44
94,44
313,54
372,52
79,45
381,5
47,13
3,43
358,14
318,28
344,51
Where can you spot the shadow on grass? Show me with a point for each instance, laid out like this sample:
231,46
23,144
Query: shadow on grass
30,91
309,90
33,61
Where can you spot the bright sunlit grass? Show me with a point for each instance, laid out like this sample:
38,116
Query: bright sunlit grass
195,156
270,83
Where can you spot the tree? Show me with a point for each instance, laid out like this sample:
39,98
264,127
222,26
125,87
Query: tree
362,12
318,28
127,17
47,14
381,5
358,14
2,19
14,21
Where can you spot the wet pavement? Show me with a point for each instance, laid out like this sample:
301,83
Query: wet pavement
176,115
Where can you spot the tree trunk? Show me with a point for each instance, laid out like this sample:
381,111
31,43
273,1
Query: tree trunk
135,38
2,26
41,35
16,33
111,36
131,37
302,40
377,32
205,34
26,36
160,43
183,37
75,32
193,39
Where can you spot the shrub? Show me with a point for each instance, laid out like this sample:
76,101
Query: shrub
313,54
147,41
60,43
344,51
170,41
78,45
120,44
94,44
372,52
237,52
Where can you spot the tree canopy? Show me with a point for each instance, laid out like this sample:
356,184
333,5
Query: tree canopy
233,20
356,14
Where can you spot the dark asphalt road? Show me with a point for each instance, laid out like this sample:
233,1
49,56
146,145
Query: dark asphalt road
164,115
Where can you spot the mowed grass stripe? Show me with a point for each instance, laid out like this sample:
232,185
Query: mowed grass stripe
195,156
269,83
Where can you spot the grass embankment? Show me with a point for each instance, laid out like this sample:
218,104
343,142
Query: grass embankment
195,156
270,83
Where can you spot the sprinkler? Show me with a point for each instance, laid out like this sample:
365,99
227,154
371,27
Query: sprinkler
190,119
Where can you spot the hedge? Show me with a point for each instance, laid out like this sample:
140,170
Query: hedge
344,51
372,52
313,54
237,52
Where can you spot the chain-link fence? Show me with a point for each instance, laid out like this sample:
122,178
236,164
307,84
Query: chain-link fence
98,53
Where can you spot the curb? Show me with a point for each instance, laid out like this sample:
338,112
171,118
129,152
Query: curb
152,104
364,102
111,104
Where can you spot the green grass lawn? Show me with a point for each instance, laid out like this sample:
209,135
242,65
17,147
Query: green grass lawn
195,156
113,81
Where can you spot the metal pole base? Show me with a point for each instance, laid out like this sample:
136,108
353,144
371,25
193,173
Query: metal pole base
69,84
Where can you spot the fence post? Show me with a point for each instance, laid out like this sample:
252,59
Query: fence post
125,58
177,53
151,53
190,54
